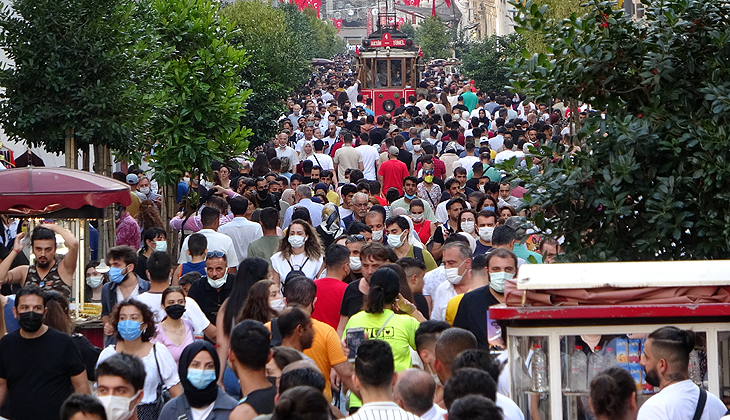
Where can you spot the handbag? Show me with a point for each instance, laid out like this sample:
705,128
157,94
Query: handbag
163,395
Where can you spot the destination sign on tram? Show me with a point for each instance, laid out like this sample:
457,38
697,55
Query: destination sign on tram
387,41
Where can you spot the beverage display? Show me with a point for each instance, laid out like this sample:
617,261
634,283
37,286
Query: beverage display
539,370
578,370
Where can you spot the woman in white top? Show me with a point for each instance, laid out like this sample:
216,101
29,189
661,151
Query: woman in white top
134,327
299,250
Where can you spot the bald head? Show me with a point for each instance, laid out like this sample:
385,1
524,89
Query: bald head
450,343
300,364
414,391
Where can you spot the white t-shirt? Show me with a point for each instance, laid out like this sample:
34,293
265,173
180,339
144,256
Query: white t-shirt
323,161
242,232
310,268
216,242
168,369
202,413
678,401
444,292
192,313
432,280
468,161
510,410
496,142
369,156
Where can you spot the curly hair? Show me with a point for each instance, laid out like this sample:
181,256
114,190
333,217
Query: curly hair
312,247
147,318
256,306
149,216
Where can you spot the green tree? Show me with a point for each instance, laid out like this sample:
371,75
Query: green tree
486,61
76,67
201,101
277,64
558,10
319,38
408,29
649,180
431,36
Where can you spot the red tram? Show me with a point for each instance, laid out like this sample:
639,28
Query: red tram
389,66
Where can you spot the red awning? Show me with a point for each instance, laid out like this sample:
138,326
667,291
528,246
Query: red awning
35,191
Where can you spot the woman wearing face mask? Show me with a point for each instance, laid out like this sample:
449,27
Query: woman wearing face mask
94,283
299,250
153,239
423,228
377,314
468,223
264,302
202,399
134,326
174,332
427,190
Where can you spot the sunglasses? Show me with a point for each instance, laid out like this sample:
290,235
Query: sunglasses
355,238
215,254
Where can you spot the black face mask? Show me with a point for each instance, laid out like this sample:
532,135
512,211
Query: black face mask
272,380
263,194
175,311
30,321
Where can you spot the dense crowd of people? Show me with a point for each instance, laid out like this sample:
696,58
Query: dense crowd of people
344,272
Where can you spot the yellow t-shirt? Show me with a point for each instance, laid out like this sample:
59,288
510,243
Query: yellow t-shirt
452,307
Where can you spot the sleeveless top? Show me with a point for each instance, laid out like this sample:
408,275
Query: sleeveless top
423,230
52,281
261,400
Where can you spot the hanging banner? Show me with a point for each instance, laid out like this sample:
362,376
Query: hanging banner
369,24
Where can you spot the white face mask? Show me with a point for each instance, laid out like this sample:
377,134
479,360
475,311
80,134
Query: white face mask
217,284
118,408
94,281
297,241
468,226
457,117
186,179
485,233
145,190
452,274
417,147
377,236
207,184
161,246
396,241
278,305
355,263
417,217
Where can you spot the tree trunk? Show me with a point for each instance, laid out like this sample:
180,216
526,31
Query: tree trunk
72,157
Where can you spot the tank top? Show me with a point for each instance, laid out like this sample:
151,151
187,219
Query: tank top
189,266
423,230
52,281
261,400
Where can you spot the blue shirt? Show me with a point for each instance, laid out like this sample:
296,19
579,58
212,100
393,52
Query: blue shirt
198,267
315,212
11,323
182,189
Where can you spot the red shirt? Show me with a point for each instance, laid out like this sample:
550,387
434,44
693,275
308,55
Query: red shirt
335,147
439,167
393,172
329,299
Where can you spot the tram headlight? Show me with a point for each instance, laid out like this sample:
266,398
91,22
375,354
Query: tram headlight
388,105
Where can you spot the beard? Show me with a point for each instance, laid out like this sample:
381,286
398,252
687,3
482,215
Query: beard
652,377
43,264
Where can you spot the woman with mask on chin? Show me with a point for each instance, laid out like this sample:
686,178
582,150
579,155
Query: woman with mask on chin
174,332
202,399
133,325
300,249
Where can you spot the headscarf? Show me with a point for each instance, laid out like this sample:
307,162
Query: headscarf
331,220
303,155
288,196
198,397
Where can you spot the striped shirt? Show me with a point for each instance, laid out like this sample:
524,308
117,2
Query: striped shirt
382,410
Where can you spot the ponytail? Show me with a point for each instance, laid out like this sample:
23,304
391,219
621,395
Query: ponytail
384,288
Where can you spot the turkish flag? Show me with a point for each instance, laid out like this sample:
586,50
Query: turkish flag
337,23
448,3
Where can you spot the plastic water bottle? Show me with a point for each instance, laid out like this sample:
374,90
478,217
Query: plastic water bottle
539,370
578,370
609,358
595,363
694,368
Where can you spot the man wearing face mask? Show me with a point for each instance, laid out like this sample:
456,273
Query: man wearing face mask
124,284
486,222
410,188
501,265
376,222
37,362
457,260
398,231
263,198
213,289
120,385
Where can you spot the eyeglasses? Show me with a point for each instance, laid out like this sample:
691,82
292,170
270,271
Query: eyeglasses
215,254
355,238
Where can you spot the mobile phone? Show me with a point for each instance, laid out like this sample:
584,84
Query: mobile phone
355,337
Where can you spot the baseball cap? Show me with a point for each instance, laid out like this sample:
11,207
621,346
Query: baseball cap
393,150
132,179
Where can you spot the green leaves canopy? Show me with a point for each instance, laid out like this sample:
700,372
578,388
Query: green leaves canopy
486,61
649,181
431,36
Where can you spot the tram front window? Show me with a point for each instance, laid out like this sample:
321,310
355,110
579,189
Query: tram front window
382,73
396,75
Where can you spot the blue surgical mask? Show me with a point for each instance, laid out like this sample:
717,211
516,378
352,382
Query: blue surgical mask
410,196
490,208
201,378
129,330
115,274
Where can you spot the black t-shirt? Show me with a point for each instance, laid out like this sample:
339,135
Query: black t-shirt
377,135
421,305
352,300
473,184
472,314
406,157
261,400
140,269
461,107
269,201
208,298
38,373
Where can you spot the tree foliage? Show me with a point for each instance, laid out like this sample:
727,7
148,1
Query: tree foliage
408,29
201,102
77,64
557,10
431,36
318,38
486,61
649,181
277,63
